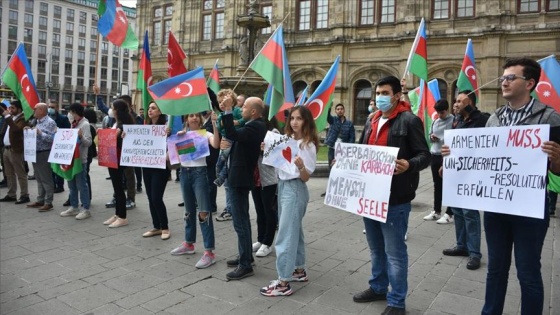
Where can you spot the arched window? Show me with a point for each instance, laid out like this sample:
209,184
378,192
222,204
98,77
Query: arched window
314,86
442,89
362,97
299,86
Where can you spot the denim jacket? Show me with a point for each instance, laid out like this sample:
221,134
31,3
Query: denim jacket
338,129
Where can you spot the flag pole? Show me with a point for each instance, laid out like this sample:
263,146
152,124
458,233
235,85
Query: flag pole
413,48
485,84
215,64
252,61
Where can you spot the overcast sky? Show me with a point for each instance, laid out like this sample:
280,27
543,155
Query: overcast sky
129,3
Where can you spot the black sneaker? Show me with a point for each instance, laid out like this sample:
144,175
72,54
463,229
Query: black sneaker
181,204
391,310
111,204
23,199
66,203
130,204
139,190
456,251
240,273
368,295
8,199
224,216
235,262
473,263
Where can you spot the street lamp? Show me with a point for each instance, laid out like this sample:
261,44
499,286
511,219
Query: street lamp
49,80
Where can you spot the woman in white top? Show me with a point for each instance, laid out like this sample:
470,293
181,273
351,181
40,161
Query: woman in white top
194,185
293,197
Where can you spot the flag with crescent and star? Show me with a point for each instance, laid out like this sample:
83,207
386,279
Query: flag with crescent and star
175,57
319,102
182,94
114,25
548,88
272,64
19,78
145,75
467,76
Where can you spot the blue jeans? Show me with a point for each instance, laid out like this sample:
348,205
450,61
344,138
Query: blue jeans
194,185
527,235
155,181
389,256
78,184
293,197
467,230
239,200
221,164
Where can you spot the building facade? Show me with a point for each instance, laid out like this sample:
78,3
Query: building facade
373,37
61,43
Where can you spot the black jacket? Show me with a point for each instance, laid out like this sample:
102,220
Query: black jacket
212,159
406,133
245,150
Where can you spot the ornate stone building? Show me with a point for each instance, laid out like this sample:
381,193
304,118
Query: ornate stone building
373,37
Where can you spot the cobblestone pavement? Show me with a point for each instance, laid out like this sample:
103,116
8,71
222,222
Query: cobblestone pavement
55,265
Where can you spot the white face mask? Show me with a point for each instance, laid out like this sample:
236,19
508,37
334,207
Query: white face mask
110,113
70,117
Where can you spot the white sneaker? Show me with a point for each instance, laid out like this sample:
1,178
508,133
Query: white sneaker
263,251
432,216
446,219
84,214
406,236
256,246
71,212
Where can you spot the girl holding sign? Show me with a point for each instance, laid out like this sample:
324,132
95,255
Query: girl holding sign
293,197
122,117
155,182
194,185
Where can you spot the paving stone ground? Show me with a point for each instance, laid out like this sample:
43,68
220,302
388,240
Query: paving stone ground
55,265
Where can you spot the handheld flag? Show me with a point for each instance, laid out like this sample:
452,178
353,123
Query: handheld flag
183,94
69,171
19,78
145,75
175,57
114,25
320,101
214,79
548,88
417,62
302,97
467,76
272,64
414,97
428,113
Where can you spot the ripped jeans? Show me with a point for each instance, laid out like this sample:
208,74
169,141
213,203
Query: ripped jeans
194,185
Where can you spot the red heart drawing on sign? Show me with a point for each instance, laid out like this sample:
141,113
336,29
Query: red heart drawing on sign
287,153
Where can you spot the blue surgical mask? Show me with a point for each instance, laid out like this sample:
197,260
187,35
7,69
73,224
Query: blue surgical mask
383,102
51,111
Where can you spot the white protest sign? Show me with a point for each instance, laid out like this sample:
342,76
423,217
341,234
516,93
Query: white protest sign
64,144
30,145
280,152
144,146
360,180
499,169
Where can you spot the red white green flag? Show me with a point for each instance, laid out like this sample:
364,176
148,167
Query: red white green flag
114,25
467,76
417,62
214,79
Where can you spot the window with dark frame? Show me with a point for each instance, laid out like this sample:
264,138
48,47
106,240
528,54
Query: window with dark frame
528,6
367,12
440,9
213,19
313,14
465,8
553,5
266,10
387,11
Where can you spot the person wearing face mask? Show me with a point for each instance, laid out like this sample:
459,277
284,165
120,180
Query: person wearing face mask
467,222
393,125
61,123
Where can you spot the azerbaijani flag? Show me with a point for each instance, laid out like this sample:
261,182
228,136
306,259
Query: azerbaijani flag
548,89
186,147
414,97
428,113
145,76
272,64
175,57
320,101
467,76
114,25
417,62
69,171
19,78
182,94
214,79
302,97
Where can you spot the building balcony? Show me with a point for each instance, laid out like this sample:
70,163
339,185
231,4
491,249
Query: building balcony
67,87
80,88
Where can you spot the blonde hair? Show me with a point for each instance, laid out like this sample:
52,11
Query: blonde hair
225,92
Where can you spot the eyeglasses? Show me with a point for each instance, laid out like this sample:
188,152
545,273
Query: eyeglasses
510,78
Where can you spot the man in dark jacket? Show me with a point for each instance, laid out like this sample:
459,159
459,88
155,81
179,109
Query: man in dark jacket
467,221
61,122
243,159
393,125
